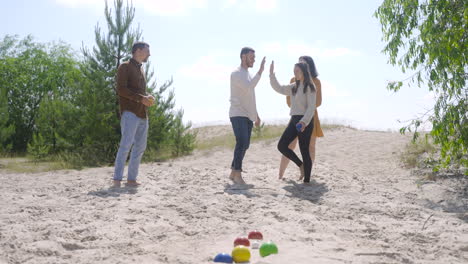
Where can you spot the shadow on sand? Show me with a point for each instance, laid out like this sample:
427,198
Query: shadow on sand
114,191
240,189
311,192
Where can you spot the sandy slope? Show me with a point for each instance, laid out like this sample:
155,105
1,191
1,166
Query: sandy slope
362,208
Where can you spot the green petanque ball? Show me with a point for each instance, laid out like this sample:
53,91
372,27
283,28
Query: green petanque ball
267,249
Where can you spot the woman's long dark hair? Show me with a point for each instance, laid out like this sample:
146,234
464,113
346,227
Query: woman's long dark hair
307,80
311,63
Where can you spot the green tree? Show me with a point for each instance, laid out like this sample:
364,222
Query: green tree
6,128
100,97
31,72
429,38
38,148
101,125
58,122
183,141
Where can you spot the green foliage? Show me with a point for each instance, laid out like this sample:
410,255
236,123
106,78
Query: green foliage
100,100
38,148
415,150
29,72
52,103
430,38
258,130
58,122
6,128
183,141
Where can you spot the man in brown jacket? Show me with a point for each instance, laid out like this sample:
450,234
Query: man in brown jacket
134,103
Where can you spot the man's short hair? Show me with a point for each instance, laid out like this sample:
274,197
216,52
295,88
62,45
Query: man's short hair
139,45
246,50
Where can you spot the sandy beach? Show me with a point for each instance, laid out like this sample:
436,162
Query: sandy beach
363,207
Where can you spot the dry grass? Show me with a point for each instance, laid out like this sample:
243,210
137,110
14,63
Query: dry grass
223,137
416,152
208,138
26,165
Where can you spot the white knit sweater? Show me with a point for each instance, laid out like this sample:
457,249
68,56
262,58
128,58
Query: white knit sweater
301,103
243,94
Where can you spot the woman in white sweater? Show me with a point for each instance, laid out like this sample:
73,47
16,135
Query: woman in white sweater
303,96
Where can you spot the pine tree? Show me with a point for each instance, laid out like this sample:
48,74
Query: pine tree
99,94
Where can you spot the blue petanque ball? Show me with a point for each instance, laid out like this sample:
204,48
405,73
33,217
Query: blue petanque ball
299,127
223,258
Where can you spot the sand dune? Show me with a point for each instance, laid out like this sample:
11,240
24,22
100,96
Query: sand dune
363,207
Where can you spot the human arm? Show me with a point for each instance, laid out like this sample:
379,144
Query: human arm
311,104
124,91
282,89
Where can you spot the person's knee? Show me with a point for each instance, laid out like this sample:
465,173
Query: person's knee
247,145
125,146
244,145
292,145
282,147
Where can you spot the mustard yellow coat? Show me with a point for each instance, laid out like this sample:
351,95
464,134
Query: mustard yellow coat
317,131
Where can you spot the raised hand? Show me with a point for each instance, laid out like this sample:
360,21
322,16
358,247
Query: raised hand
262,66
272,67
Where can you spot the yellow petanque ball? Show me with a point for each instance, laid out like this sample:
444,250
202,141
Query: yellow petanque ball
240,254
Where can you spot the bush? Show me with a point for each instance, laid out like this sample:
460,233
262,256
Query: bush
38,149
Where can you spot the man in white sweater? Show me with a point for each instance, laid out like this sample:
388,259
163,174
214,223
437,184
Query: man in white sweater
243,110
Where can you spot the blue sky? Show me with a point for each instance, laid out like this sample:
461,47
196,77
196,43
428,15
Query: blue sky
197,42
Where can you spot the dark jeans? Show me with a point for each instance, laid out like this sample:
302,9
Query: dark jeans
242,127
304,141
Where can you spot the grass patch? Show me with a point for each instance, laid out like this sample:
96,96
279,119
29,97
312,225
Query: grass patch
262,133
152,155
26,165
418,152
225,139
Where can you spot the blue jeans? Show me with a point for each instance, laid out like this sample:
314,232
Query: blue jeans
242,127
134,133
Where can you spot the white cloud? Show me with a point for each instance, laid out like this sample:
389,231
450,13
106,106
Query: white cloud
338,52
266,5
81,3
296,49
207,69
230,3
158,7
170,7
272,47
330,90
177,7
299,49
430,97
260,6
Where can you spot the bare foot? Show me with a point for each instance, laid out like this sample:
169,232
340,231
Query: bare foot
280,176
116,184
238,178
133,183
231,176
302,172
